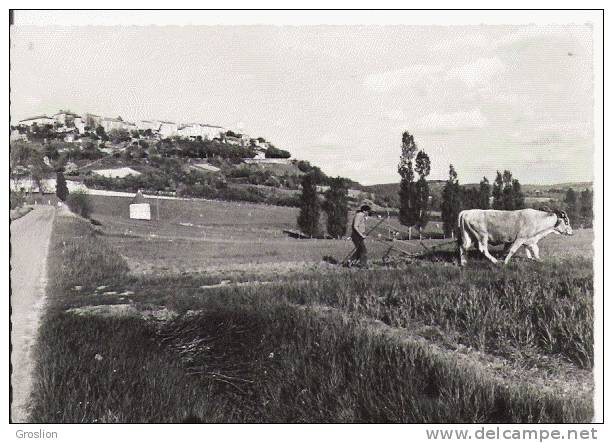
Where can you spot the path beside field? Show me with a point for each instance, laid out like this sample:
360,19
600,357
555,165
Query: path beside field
29,245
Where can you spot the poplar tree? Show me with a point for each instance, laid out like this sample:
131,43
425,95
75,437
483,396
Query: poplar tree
61,188
450,207
422,191
518,196
570,201
336,207
508,198
308,218
484,194
408,213
497,189
587,208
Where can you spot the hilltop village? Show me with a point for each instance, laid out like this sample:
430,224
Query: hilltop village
196,160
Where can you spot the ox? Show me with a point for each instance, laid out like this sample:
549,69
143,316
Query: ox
524,227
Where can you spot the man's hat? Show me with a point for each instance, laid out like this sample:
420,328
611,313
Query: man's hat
366,205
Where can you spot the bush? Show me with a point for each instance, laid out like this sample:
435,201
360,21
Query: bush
303,165
79,203
273,152
16,199
247,194
290,201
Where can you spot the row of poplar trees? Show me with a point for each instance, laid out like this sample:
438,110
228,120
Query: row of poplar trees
335,205
414,194
506,192
579,207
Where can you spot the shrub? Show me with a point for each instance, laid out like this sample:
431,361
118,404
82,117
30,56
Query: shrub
303,165
248,194
273,152
80,203
290,201
16,199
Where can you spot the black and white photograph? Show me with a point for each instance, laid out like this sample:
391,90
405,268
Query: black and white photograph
306,217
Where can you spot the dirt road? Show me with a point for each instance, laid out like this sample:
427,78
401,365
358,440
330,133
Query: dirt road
29,244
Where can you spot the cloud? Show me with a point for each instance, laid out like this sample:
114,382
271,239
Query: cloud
545,140
472,74
452,121
478,72
388,80
465,40
581,33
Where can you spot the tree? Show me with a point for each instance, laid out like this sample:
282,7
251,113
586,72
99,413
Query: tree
506,192
508,198
408,214
518,196
38,171
469,198
484,194
497,192
507,178
308,218
119,135
61,189
450,207
586,207
336,207
570,202
422,190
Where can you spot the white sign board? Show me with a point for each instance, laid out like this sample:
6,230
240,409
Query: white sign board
140,211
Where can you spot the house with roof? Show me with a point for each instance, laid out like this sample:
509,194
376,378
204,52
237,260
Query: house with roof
92,120
40,120
210,131
168,129
153,125
116,172
110,124
235,141
193,130
79,123
65,118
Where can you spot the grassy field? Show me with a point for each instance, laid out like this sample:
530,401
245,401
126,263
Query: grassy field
295,339
201,235
206,235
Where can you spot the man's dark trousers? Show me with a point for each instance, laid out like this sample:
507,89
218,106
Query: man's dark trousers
360,249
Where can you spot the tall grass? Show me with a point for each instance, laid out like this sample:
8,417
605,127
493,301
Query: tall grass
80,257
527,306
521,312
266,363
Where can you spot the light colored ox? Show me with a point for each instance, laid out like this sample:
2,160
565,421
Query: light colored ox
524,227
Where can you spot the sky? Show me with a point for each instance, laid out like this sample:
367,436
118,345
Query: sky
482,98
